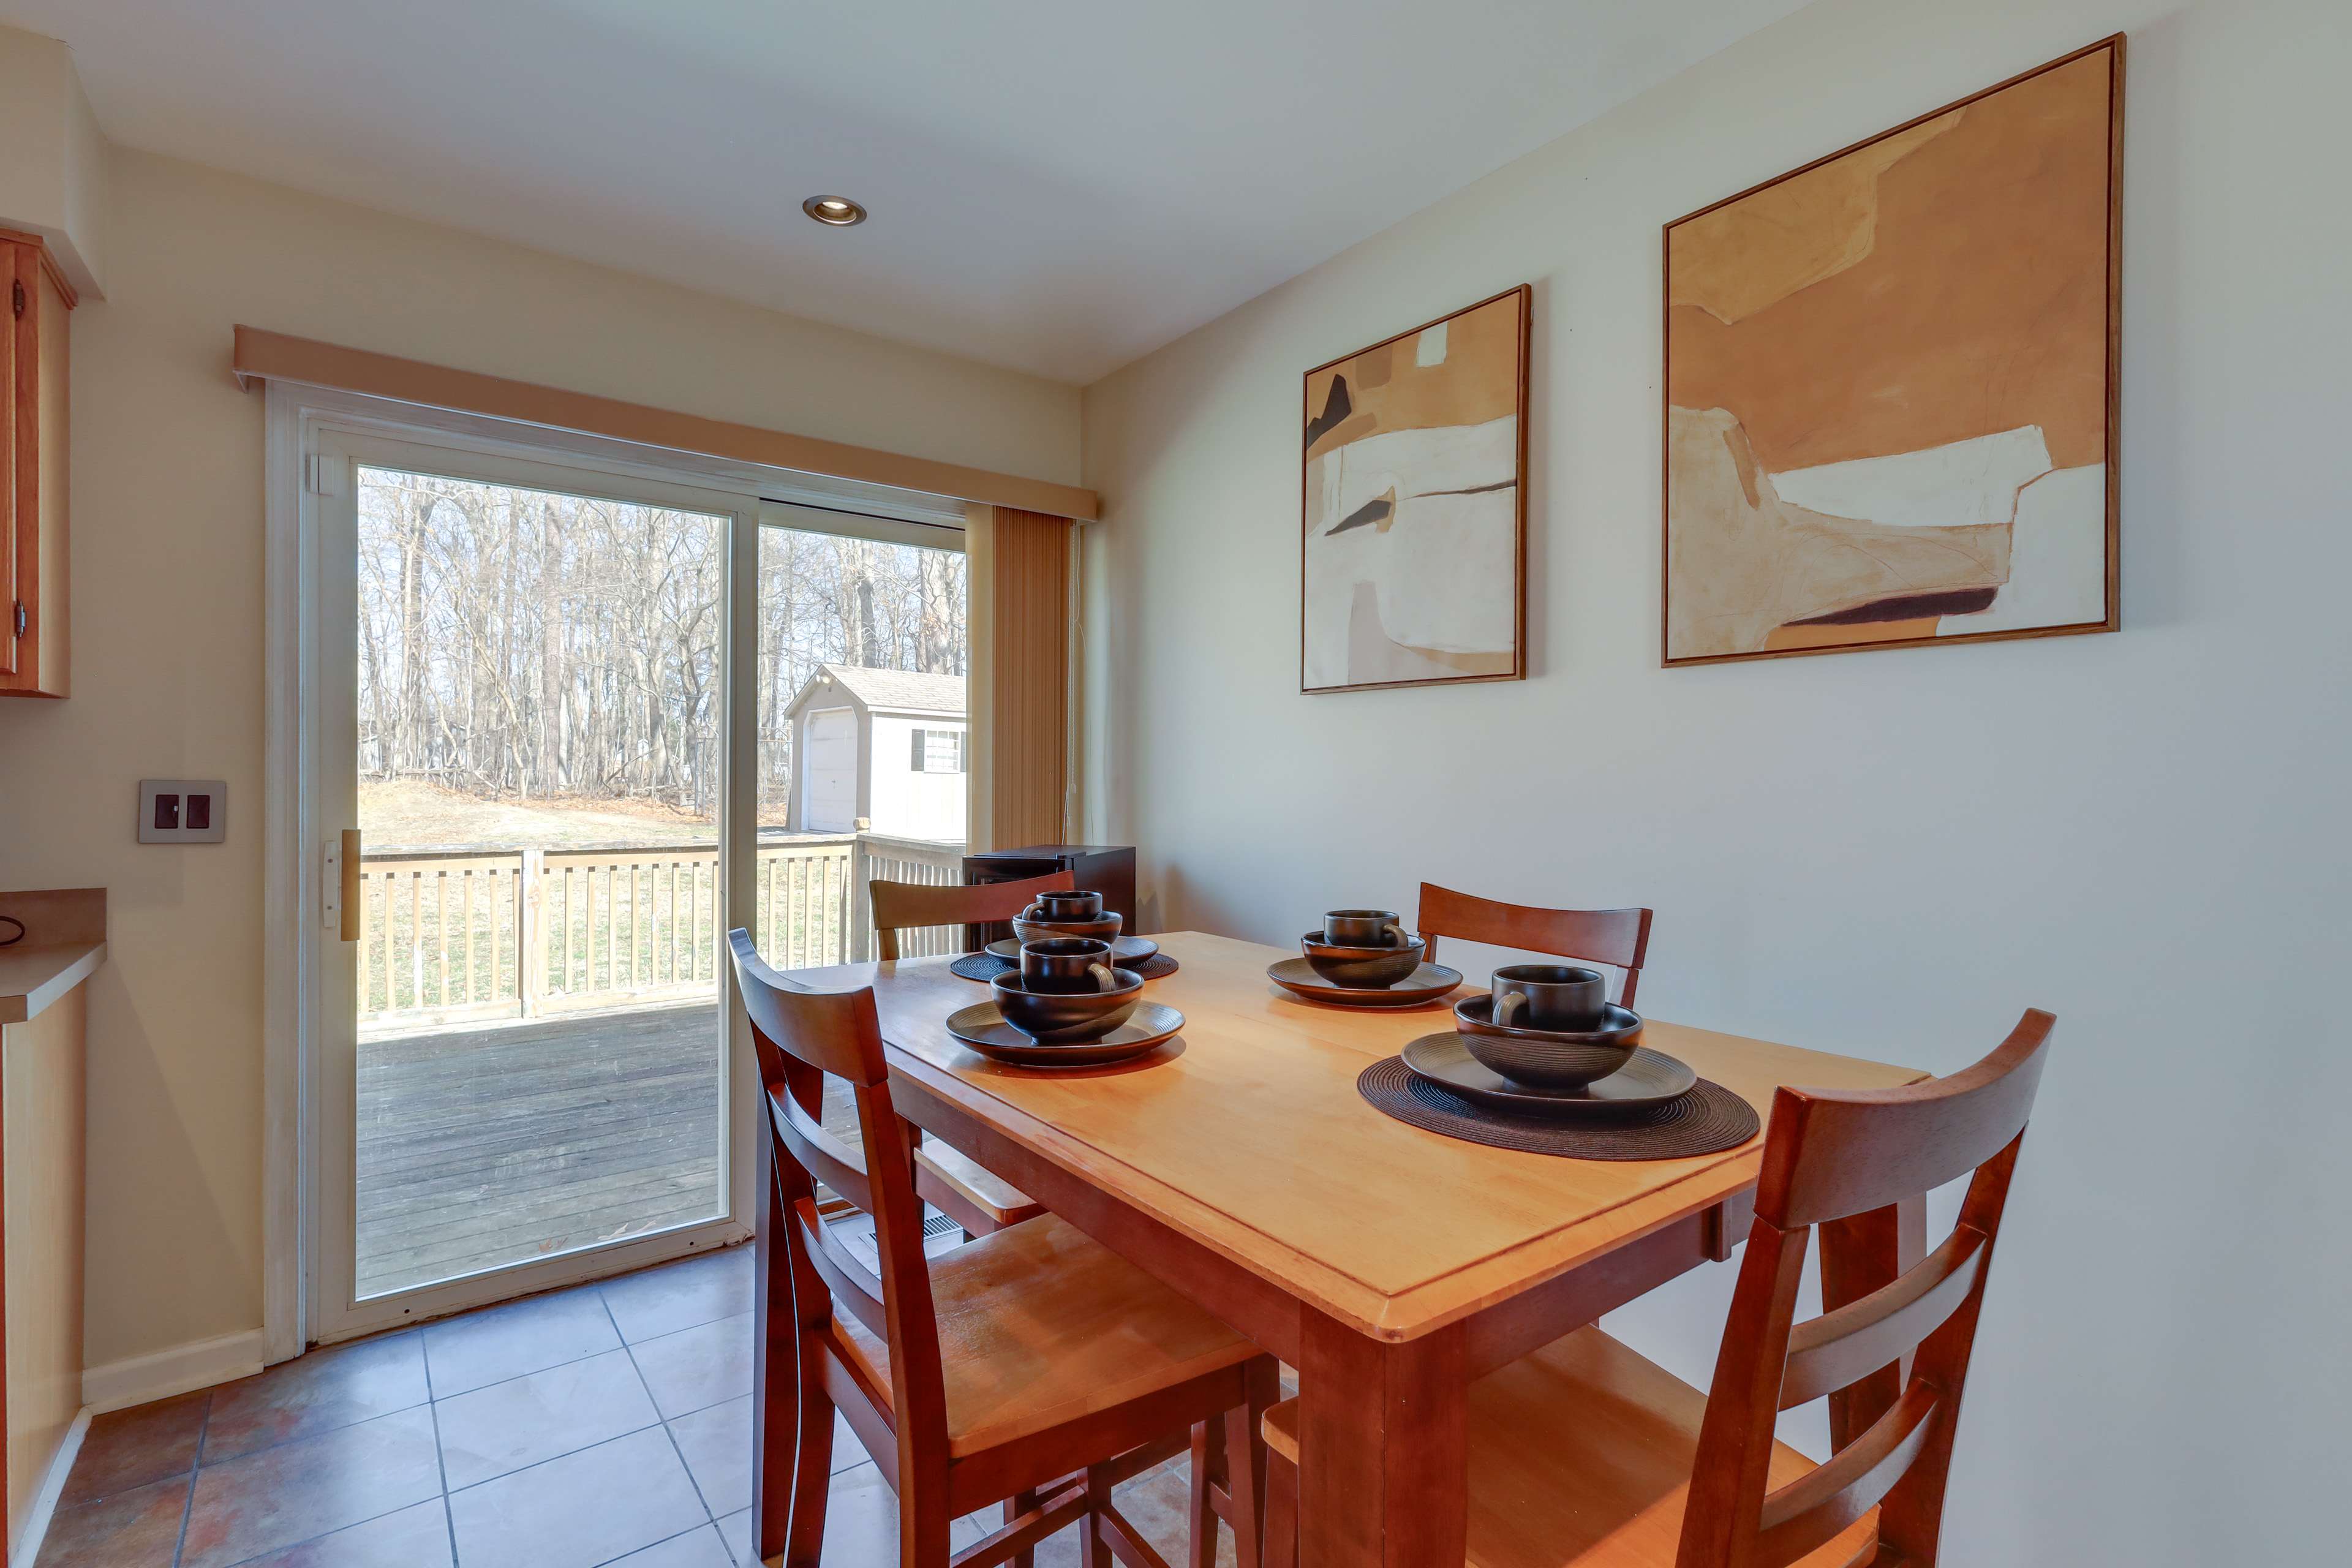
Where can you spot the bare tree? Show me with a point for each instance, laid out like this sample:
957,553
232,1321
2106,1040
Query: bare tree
523,643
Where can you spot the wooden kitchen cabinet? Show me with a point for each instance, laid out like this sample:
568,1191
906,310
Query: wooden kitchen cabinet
35,300
44,1111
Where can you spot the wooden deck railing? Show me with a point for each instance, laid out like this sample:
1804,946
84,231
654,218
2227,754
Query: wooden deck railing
906,861
449,937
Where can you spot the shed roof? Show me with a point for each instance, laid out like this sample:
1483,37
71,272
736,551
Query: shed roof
891,690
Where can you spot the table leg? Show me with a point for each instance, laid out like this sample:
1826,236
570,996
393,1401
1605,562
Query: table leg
1859,1254
1384,1449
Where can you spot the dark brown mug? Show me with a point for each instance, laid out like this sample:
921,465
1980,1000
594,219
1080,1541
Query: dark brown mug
1070,904
1067,963
1362,928
1550,997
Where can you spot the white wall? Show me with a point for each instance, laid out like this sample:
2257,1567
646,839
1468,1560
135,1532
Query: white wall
167,658
1888,853
906,803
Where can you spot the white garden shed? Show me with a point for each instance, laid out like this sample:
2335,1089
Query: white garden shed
881,750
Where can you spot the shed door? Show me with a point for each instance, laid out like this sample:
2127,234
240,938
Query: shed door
829,772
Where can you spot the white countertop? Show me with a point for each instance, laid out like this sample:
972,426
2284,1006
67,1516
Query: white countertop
33,977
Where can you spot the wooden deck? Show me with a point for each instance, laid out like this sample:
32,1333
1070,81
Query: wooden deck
488,1146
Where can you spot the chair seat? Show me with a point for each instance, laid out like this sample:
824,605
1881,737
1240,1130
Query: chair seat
1040,1326
1580,1453
996,1199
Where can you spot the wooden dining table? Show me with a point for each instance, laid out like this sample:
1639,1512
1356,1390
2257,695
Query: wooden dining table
1391,1266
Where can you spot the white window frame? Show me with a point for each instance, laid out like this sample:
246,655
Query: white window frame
925,733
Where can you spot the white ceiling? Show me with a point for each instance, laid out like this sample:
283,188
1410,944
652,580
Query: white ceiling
1057,186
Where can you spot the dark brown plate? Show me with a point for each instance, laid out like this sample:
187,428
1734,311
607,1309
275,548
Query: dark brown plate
1427,983
984,1028
1650,1079
1124,953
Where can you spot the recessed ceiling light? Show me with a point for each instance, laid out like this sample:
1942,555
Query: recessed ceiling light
839,212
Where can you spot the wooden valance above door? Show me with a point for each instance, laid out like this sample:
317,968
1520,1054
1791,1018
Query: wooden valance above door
274,356
1019,532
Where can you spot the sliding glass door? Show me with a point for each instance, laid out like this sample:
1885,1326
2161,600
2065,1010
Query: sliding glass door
572,723
525,1077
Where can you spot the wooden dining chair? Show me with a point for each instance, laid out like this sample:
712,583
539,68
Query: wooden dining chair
1032,1368
1586,1453
907,906
1618,938
947,1179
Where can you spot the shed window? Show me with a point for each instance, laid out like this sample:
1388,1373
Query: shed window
938,752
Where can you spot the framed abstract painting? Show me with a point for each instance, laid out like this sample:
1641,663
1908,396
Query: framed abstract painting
1891,384
1413,506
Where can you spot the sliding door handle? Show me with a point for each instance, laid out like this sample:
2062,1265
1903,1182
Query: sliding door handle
350,898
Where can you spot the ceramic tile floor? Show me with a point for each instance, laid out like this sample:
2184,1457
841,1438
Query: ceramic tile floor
605,1424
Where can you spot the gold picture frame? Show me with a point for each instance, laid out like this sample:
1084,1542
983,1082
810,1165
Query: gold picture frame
1413,506
1890,389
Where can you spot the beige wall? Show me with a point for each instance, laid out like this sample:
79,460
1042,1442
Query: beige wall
53,177
168,626
1890,852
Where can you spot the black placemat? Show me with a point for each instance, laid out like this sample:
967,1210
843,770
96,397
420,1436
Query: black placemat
986,966
1708,1119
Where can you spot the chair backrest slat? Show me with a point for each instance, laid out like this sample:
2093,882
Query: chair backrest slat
1847,1154
1827,1157
1618,938
910,906
1839,1348
853,1284
833,1031
1818,1506
820,1154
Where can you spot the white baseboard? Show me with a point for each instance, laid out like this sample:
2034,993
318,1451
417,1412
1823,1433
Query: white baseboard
28,1546
135,1380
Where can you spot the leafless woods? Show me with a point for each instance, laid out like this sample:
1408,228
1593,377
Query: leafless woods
525,644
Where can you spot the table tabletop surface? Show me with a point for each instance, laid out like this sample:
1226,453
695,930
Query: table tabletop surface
1248,1136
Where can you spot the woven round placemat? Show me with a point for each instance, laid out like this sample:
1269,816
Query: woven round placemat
986,966
1708,1119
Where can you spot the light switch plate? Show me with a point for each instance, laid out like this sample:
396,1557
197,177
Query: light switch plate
182,811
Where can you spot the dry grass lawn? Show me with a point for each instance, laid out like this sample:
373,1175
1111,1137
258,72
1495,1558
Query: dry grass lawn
410,814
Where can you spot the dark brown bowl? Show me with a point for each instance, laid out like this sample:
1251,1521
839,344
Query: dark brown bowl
1065,1015
1362,968
1547,1058
1029,928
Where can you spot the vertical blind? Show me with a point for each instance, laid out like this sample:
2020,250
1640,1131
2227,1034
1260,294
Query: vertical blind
1020,615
